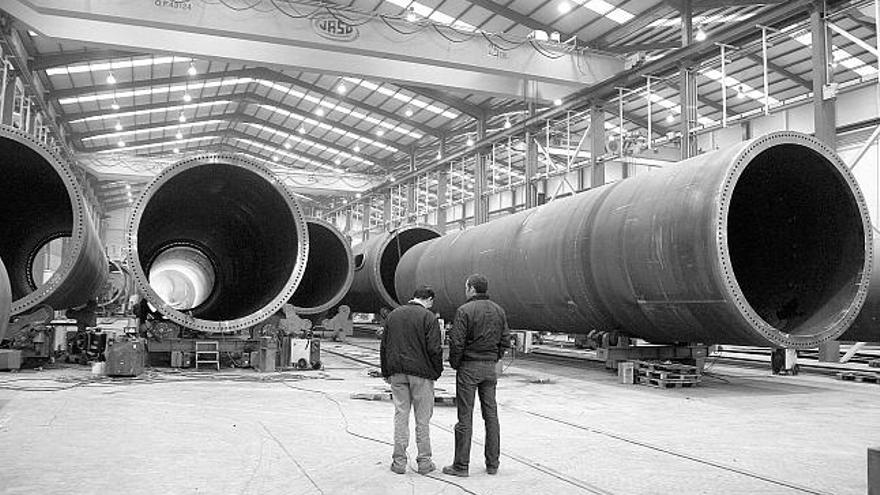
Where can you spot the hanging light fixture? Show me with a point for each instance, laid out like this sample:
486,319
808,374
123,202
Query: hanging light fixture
287,145
319,112
670,118
557,102
179,135
408,112
192,70
302,129
181,118
275,158
337,161
411,15
120,143
114,105
341,89
118,126
176,150
380,132
110,78
187,98
357,149
700,35
507,123
470,141
740,94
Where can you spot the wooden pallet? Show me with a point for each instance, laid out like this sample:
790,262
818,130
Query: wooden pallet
661,383
669,375
667,367
859,376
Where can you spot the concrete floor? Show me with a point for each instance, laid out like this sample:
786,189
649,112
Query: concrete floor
565,429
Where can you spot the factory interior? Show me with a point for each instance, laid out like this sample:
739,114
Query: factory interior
210,208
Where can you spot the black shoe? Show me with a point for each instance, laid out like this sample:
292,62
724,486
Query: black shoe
451,470
492,470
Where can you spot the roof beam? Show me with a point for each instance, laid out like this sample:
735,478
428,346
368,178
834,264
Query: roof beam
636,24
646,47
167,81
720,4
459,104
781,70
61,59
281,77
232,119
98,149
861,19
522,19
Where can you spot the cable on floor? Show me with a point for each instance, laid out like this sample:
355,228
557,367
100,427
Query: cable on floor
372,439
689,457
583,485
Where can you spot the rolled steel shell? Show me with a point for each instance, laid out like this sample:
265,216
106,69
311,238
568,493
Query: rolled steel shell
767,242
42,201
329,271
375,264
866,327
237,232
5,300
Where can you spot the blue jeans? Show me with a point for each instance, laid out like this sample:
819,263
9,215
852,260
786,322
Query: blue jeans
418,393
472,377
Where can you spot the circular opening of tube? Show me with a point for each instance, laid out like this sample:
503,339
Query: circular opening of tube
182,276
397,245
47,260
328,271
796,239
36,208
243,239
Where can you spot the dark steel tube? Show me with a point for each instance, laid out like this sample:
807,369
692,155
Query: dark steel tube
767,242
866,327
329,271
375,264
5,300
40,201
240,236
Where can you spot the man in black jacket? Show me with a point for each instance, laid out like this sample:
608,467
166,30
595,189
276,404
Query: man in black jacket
412,360
477,340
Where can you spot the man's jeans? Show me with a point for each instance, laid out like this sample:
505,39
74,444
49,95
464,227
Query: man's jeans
418,393
473,376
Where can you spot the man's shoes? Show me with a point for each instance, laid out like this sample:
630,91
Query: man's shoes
427,467
397,468
452,471
492,470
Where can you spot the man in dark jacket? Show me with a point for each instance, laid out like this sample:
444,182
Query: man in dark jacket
412,360
477,340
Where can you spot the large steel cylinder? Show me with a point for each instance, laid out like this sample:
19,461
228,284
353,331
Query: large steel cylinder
40,202
329,271
765,243
216,243
375,265
5,300
866,327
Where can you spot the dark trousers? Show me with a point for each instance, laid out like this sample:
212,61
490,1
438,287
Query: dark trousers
471,377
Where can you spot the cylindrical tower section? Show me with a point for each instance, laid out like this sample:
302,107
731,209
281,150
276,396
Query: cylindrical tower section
48,240
375,265
5,300
217,243
329,271
764,243
866,327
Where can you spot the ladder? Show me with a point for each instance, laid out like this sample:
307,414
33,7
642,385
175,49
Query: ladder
207,352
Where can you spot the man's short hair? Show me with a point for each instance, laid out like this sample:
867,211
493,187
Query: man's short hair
424,292
478,282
